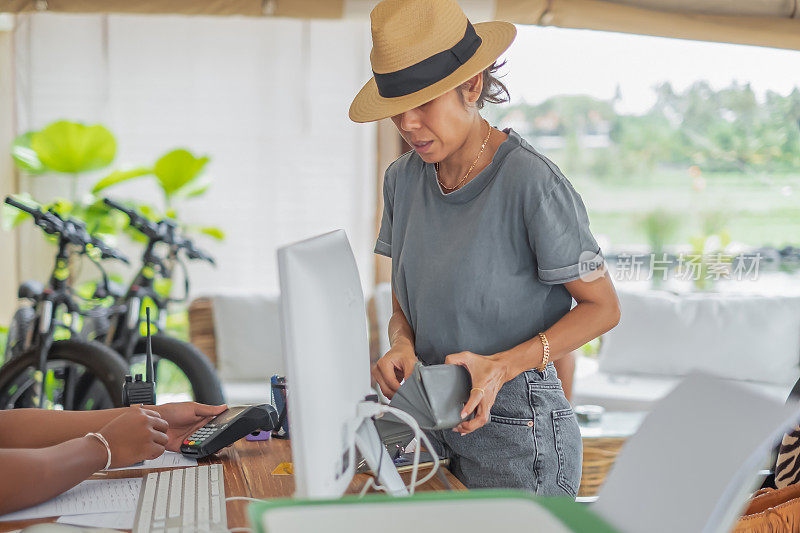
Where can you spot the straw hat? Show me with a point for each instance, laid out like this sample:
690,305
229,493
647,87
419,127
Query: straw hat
420,50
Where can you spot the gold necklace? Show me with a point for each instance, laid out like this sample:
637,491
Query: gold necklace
483,146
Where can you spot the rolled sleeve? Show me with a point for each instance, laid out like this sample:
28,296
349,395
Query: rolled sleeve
383,245
559,234
383,248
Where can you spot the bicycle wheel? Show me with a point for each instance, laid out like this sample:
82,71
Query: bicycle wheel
23,320
20,377
191,362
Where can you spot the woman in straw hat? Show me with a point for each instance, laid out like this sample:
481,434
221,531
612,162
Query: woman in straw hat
489,245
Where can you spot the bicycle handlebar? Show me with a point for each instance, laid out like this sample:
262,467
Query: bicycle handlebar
70,229
119,207
22,207
166,230
109,253
44,219
137,221
194,253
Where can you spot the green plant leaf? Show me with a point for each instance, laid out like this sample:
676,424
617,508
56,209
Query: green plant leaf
25,156
63,207
86,289
193,190
102,220
178,168
212,231
149,212
163,287
72,147
118,176
135,236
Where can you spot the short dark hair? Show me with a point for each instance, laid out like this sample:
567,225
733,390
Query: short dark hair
494,91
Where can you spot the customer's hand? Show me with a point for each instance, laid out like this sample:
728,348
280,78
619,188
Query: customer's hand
135,435
488,374
396,365
184,418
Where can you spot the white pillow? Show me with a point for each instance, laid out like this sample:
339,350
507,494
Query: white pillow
248,337
738,336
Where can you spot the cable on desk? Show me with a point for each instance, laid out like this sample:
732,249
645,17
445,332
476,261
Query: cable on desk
243,498
444,480
366,487
421,437
230,530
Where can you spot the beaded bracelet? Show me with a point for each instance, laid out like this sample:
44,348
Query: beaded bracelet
546,358
103,440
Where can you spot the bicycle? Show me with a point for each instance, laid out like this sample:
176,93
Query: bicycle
121,328
39,369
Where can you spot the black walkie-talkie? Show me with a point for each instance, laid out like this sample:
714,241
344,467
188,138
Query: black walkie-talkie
135,391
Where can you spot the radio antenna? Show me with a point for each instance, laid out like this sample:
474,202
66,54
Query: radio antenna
149,368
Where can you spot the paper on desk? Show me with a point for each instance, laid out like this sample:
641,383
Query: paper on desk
166,460
92,496
122,520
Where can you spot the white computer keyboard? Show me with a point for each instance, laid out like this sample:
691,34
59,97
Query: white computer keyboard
182,500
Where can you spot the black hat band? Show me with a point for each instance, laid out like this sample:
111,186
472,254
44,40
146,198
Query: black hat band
428,71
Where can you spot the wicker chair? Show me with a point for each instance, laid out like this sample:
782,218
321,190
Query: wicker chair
201,328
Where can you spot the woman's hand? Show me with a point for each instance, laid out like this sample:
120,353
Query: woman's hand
135,435
488,373
396,365
184,418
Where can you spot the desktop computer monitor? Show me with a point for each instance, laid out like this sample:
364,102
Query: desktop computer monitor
326,351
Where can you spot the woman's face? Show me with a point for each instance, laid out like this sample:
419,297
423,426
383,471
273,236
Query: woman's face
439,128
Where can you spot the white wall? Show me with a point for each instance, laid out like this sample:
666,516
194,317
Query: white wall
8,240
267,99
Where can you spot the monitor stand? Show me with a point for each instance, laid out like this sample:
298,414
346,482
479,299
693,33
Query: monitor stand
373,451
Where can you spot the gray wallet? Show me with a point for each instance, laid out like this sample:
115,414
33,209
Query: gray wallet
434,395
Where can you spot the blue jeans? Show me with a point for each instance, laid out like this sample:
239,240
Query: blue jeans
532,440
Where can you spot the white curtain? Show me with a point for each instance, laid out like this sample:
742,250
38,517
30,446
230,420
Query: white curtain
266,99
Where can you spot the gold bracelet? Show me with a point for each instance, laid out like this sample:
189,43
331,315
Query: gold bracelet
546,358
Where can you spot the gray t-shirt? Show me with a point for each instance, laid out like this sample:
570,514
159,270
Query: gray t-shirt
481,269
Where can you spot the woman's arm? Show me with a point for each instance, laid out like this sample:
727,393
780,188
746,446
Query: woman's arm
34,476
398,363
31,476
399,329
40,428
596,312
565,367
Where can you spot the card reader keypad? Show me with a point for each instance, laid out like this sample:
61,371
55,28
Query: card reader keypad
201,434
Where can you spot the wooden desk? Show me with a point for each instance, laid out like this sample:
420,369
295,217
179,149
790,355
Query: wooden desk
248,468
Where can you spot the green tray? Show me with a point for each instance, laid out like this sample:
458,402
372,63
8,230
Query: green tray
377,513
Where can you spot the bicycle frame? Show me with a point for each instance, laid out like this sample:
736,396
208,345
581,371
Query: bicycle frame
124,332
47,304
